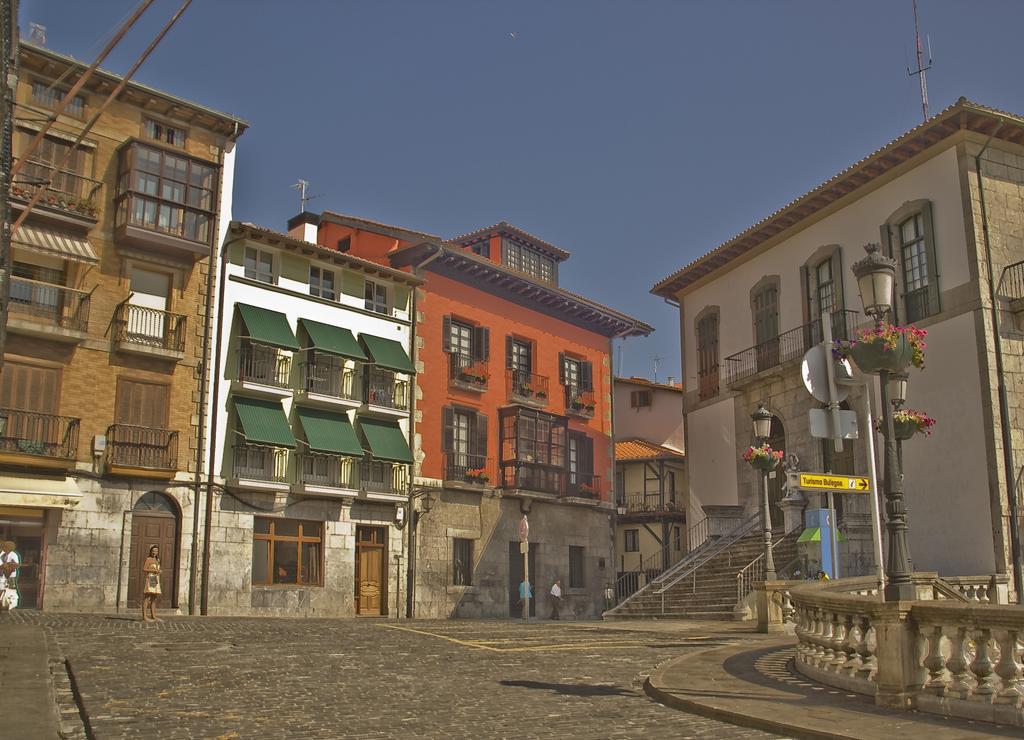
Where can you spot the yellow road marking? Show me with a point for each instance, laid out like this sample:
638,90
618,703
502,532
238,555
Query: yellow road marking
481,645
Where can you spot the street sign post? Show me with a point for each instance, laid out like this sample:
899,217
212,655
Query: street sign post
822,424
829,482
524,546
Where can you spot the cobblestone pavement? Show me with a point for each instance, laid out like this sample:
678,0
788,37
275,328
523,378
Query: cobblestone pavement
276,678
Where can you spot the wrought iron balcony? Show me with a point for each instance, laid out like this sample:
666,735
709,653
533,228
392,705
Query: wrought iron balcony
52,305
788,346
645,503
329,471
579,402
467,468
527,387
384,388
1013,281
64,191
256,462
468,372
264,365
327,377
582,485
380,476
42,435
149,327
533,477
142,447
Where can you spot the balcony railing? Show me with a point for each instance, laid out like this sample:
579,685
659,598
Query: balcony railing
383,388
256,462
527,386
384,477
583,485
45,435
579,402
790,345
639,503
142,447
330,471
468,370
264,365
921,303
328,378
54,305
63,190
1013,281
150,327
467,468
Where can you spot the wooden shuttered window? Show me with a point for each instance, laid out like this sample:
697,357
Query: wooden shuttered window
586,448
508,351
639,399
446,334
30,388
477,432
586,376
141,404
561,368
481,343
447,428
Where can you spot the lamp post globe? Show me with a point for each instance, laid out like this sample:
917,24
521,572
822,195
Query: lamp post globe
898,389
876,275
762,419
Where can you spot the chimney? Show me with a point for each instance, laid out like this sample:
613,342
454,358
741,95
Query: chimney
671,379
304,226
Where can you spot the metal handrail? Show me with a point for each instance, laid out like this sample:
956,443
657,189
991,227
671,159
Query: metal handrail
722,543
653,562
58,305
142,447
1012,282
149,326
753,571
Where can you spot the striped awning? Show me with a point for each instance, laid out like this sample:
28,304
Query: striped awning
55,244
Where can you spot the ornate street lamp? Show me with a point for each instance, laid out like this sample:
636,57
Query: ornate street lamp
876,275
898,389
762,419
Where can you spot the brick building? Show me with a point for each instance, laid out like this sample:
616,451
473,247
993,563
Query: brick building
513,415
105,327
946,200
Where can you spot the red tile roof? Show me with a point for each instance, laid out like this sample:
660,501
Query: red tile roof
650,384
638,449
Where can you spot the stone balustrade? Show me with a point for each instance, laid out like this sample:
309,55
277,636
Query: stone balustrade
938,654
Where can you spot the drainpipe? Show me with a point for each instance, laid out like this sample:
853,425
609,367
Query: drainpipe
1004,410
410,567
214,395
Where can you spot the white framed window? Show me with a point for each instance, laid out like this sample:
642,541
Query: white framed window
376,297
259,265
321,283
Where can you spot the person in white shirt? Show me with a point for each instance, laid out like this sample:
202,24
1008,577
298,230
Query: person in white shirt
556,599
9,562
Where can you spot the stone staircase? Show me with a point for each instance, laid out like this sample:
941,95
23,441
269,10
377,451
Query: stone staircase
709,592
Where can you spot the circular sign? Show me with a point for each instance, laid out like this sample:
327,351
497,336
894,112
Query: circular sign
815,374
524,529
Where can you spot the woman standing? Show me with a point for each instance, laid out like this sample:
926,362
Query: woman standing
151,583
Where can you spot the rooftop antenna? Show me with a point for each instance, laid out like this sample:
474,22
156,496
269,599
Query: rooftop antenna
302,186
657,359
921,69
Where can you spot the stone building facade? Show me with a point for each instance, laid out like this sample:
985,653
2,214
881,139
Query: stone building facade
920,197
104,332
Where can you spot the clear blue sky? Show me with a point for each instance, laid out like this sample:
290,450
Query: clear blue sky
637,134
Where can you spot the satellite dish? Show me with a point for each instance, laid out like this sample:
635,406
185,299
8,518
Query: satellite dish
815,374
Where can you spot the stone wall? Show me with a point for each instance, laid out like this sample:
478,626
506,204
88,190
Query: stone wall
491,521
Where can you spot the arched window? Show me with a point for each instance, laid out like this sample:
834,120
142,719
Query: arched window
764,308
707,353
155,502
823,291
908,236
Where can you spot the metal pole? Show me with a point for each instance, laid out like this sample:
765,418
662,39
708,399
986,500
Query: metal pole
901,585
833,537
769,558
876,517
526,581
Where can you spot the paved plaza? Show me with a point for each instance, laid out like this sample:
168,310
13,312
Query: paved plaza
270,678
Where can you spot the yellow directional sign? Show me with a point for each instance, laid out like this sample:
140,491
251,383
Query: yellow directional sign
827,482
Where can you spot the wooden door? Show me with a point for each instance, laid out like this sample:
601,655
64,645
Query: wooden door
371,571
149,296
150,529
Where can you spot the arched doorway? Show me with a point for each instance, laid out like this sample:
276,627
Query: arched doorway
777,440
155,521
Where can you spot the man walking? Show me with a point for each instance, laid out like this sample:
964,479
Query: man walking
556,599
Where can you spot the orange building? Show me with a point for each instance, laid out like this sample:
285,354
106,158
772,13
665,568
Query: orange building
513,416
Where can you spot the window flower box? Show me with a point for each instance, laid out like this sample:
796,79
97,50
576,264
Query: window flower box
478,475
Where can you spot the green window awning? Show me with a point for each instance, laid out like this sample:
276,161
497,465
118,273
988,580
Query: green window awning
813,534
385,440
333,339
387,353
267,327
329,432
264,422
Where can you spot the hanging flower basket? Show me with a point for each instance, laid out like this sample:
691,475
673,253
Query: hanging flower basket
908,422
763,457
884,347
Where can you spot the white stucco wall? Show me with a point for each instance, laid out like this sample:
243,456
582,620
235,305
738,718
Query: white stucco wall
660,423
945,475
711,458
